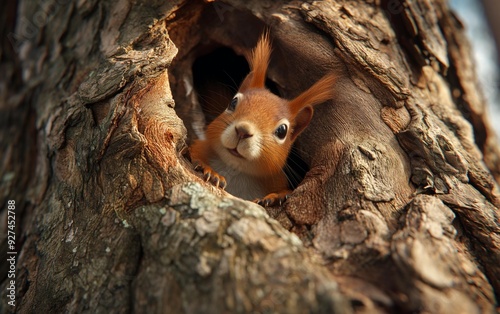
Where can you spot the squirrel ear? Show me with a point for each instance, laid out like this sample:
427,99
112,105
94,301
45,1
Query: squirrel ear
321,91
301,121
259,62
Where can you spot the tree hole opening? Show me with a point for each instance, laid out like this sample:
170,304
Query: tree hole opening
217,76
205,77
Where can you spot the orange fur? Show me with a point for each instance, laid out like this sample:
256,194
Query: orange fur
260,61
320,92
260,156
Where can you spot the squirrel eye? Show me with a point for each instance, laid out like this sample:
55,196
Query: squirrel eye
233,103
280,132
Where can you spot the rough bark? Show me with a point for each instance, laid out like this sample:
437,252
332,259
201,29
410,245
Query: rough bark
397,213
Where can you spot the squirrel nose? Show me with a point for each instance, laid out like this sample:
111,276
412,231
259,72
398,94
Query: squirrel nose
243,131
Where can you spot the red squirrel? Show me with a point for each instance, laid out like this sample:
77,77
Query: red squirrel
246,147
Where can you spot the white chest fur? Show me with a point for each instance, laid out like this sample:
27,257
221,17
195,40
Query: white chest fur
238,184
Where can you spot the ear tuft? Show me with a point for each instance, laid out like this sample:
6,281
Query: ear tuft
321,91
260,61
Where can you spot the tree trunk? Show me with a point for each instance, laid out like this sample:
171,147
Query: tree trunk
398,210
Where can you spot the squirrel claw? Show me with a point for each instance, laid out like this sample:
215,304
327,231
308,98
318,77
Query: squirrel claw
219,182
273,199
222,183
209,175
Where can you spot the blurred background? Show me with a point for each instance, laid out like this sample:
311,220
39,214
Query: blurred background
482,22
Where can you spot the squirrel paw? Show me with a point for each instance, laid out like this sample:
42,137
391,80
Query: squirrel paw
273,199
210,175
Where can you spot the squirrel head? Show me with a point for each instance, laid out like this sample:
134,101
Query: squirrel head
255,133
